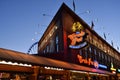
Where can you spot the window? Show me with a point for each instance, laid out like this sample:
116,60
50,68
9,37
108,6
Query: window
90,49
47,48
80,52
106,60
86,53
95,53
57,46
52,47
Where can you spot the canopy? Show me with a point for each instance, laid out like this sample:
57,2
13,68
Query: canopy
19,57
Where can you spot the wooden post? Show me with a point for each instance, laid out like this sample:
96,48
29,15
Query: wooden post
34,76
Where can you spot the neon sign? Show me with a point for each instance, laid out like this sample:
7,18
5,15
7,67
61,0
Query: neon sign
77,27
79,46
118,70
102,66
89,61
78,37
112,68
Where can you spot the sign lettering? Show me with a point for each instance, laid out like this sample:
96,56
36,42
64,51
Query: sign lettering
89,61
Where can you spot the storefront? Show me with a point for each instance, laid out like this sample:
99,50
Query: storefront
51,73
63,74
35,67
9,72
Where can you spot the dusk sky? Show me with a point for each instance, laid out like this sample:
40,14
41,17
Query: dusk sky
22,22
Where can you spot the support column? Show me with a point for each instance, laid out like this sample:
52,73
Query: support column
34,76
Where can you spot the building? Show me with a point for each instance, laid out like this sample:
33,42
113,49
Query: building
68,50
68,38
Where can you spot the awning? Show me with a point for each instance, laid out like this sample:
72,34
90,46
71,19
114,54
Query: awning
19,57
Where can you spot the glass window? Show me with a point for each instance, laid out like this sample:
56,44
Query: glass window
94,54
108,59
80,52
56,40
105,58
95,51
90,49
44,51
57,46
47,50
99,54
111,59
52,47
86,53
102,56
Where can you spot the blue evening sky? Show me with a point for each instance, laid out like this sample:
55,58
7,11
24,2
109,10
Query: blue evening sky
22,21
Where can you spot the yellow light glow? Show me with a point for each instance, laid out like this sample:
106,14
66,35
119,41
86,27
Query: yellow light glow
77,27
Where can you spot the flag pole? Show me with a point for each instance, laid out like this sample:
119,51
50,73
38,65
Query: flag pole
73,6
92,25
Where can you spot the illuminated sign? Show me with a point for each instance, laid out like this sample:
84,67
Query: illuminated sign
89,61
118,70
77,27
79,46
102,66
78,37
112,68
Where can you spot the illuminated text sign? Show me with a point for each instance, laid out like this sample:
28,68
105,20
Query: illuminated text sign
89,61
